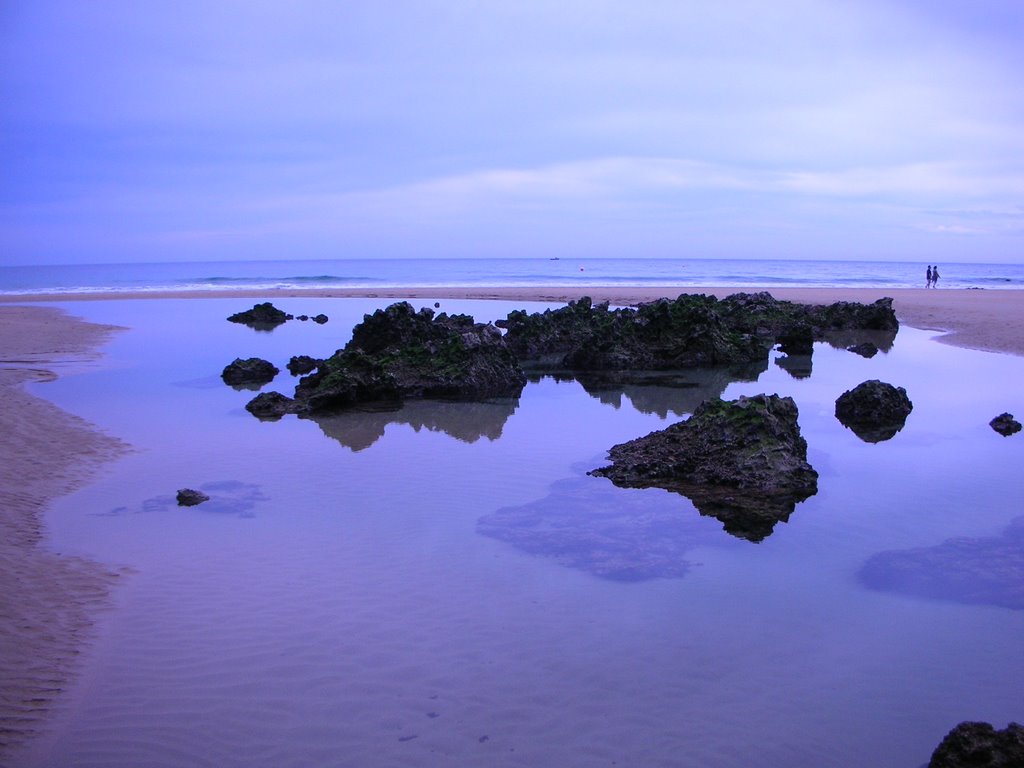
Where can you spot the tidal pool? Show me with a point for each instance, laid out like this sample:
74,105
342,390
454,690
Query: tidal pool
443,584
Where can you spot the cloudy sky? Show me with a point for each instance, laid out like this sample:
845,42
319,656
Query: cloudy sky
155,131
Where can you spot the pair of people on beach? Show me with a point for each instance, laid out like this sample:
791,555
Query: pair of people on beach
932,276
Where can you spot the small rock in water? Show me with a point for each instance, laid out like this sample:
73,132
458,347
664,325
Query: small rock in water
1005,424
187,497
979,745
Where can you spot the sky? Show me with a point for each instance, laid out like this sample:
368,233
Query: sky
161,131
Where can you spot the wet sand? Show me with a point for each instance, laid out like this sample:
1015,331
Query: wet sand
980,319
48,601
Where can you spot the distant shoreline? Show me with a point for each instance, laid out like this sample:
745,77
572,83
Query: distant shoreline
989,319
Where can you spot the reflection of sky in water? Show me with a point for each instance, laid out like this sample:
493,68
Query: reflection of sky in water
354,586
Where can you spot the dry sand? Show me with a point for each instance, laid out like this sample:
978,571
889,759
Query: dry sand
47,600
980,319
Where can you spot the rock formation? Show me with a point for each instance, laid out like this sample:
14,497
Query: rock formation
188,497
742,461
252,370
980,745
1005,424
262,317
874,410
300,365
398,353
692,330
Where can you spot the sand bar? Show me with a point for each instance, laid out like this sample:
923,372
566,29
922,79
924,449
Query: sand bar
47,601
980,319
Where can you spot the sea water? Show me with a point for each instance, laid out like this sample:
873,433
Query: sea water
431,585
524,272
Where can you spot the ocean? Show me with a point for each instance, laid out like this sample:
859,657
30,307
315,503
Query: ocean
525,272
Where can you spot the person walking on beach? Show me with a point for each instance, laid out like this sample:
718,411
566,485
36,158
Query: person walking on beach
935,276
928,277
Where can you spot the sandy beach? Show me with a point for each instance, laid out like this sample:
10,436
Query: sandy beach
49,599
991,320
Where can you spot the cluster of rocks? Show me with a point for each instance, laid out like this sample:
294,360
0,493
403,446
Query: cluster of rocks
689,331
266,317
398,353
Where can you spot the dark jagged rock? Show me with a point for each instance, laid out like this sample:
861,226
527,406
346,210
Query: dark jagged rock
398,353
660,335
187,497
692,330
319,319
1005,424
874,410
252,370
798,339
864,349
763,314
263,316
271,406
742,461
300,365
980,745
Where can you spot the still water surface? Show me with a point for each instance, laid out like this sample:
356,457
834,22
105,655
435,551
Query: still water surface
444,584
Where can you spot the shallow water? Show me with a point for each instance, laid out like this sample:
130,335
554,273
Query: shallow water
444,584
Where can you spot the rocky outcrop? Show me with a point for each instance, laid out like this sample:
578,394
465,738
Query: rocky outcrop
252,370
300,365
660,335
980,745
692,330
271,406
188,497
873,410
398,353
741,461
1005,424
262,317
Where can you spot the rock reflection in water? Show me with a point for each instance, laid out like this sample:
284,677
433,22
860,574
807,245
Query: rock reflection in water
797,366
979,571
663,392
884,340
359,428
591,525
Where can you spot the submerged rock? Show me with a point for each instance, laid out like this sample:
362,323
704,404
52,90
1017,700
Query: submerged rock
263,316
188,497
975,571
980,745
1005,424
252,370
398,353
873,410
742,461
